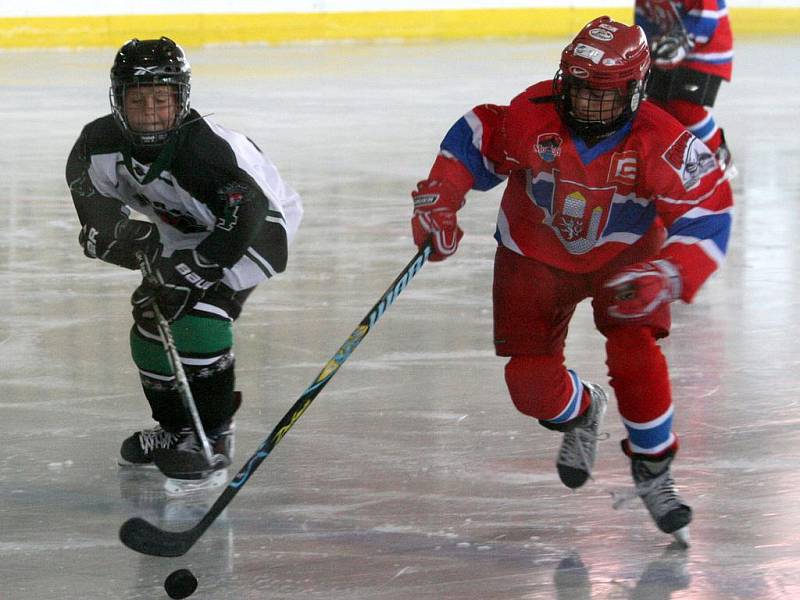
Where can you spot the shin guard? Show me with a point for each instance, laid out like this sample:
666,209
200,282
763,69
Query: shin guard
204,345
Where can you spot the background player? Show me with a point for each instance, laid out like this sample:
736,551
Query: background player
607,197
221,219
692,48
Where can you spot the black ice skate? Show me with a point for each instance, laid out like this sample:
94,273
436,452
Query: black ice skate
656,488
579,447
137,450
186,466
186,459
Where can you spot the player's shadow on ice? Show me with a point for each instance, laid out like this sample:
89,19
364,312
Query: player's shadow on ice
661,577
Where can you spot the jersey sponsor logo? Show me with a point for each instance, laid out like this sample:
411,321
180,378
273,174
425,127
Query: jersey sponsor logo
690,159
548,146
183,222
624,167
579,214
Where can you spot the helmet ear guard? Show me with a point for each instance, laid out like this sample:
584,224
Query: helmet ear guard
610,61
144,64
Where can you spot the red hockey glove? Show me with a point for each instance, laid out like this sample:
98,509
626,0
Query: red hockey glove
435,206
639,289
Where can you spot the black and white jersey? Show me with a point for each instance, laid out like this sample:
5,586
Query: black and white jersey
210,189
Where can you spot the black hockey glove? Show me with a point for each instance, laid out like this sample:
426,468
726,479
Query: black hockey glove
670,51
121,245
175,285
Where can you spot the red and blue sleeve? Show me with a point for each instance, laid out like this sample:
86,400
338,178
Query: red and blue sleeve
696,210
469,142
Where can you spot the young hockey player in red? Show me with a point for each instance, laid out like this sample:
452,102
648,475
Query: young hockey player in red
608,198
692,50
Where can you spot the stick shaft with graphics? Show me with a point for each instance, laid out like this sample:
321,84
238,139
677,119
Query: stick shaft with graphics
142,536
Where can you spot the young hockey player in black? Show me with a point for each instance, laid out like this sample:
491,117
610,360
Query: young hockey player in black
220,219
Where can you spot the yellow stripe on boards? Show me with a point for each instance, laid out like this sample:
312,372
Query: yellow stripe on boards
278,28
764,21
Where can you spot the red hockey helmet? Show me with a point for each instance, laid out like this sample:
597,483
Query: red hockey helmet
602,76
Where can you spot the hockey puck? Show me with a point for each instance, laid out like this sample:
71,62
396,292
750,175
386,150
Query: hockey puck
180,584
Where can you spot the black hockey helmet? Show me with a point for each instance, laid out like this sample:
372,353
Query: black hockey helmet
148,63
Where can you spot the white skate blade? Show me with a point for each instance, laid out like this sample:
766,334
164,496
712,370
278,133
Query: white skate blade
121,462
183,487
731,172
682,536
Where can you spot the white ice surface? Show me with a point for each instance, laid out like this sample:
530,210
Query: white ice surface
411,477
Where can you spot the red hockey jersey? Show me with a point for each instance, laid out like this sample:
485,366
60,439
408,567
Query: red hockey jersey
576,207
707,24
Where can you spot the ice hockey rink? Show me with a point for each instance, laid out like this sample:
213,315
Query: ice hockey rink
411,476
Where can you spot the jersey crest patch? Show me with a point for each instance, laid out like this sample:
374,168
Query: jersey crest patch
579,214
548,146
232,196
690,159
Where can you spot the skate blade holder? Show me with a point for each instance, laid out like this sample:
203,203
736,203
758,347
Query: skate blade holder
183,487
682,536
180,464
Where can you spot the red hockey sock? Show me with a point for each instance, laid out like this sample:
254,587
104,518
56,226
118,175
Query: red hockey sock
541,387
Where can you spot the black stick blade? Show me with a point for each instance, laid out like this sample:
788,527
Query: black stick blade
145,538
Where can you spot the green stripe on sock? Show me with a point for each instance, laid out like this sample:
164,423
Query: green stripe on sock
201,335
193,335
148,354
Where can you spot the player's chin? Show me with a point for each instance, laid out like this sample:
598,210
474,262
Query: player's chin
149,128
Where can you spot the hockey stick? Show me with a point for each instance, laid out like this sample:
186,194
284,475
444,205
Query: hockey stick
171,349
142,536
